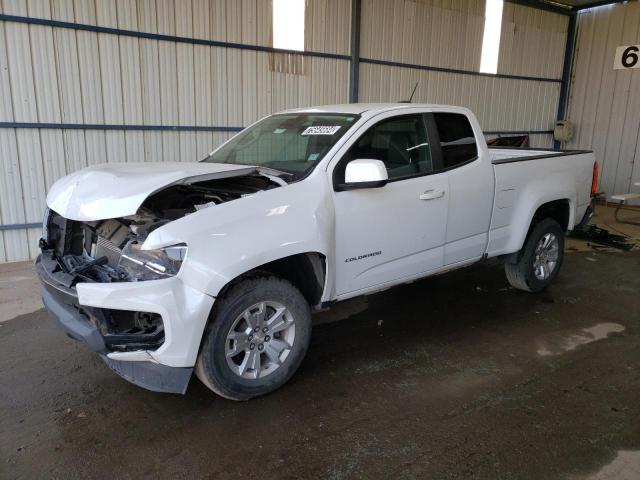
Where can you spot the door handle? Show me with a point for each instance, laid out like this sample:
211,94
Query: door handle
432,194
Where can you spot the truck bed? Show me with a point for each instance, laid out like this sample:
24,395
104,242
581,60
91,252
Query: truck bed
510,154
530,177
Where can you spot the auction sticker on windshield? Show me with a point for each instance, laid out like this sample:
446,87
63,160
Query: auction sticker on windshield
321,130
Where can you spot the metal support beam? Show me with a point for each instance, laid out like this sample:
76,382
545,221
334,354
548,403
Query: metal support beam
557,8
543,6
354,71
161,37
20,226
517,132
390,63
101,126
569,51
598,4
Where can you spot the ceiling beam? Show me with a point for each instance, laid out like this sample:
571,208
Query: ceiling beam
549,7
557,8
598,4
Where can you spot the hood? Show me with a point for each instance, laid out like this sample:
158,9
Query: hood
118,189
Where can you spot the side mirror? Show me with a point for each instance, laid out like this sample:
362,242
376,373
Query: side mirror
364,173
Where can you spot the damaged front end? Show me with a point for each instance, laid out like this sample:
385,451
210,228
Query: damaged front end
106,252
110,251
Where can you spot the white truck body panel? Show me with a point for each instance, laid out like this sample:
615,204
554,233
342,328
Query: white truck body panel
184,310
521,187
434,234
403,231
235,237
118,189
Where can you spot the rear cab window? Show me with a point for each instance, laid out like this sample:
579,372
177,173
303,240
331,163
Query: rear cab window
456,139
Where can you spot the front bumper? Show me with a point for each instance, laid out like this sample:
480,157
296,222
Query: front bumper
184,313
62,307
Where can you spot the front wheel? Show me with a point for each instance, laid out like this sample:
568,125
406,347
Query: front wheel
540,259
256,340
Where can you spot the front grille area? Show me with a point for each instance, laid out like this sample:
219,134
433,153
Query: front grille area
74,252
110,250
80,250
121,330
126,330
106,248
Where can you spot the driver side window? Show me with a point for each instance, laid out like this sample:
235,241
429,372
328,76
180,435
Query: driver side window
400,142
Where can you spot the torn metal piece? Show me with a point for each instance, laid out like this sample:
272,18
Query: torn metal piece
598,235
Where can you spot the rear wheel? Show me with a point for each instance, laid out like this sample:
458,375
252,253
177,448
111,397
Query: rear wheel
256,340
540,259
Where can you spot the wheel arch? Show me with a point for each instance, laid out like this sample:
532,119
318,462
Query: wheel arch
306,271
559,210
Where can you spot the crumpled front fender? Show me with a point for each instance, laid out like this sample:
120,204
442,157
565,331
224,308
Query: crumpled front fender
227,240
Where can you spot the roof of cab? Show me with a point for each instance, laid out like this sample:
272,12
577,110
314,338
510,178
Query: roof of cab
360,108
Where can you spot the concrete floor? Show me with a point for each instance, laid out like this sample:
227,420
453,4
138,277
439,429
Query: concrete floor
456,376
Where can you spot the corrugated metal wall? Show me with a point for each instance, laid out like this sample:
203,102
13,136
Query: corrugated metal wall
448,34
604,103
90,81
51,74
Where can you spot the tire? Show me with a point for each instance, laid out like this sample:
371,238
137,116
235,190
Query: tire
524,275
253,303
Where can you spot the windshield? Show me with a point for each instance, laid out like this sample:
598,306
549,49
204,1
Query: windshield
292,143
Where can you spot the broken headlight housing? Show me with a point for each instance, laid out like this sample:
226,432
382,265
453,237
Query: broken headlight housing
152,264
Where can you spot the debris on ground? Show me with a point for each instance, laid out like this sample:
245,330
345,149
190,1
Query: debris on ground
598,235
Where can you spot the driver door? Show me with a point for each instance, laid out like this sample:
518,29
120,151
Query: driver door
397,231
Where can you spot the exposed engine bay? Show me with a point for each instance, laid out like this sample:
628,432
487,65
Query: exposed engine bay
109,250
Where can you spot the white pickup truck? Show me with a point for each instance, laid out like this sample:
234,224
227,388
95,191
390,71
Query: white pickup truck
163,268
